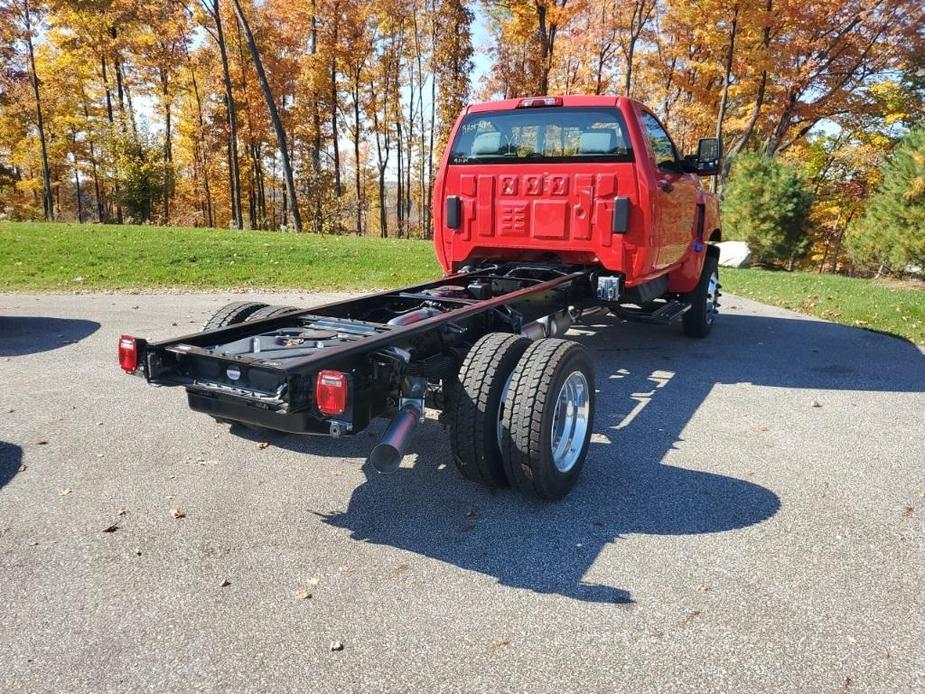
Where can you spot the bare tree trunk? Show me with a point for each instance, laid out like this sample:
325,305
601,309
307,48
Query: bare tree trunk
80,208
383,217
168,145
97,191
338,186
727,73
251,145
199,155
234,174
47,199
356,148
547,35
316,136
274,116
400,183
112,124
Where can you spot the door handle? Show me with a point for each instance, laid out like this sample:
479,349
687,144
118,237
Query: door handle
666,186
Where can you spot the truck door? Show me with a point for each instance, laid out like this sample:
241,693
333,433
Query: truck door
675,195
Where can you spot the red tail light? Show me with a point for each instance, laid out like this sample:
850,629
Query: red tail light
128,354
540,102
331,392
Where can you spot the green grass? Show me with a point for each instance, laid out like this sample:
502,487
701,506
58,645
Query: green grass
70,257
897,308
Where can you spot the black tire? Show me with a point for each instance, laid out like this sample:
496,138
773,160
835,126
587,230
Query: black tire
474,406
698,319
527,425
269,312
229,314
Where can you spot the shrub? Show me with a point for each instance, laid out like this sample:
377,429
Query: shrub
766,203
891,234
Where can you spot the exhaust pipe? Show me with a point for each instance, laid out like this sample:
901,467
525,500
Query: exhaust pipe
388,453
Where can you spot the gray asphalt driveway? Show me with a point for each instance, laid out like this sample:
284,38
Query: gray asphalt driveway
751,518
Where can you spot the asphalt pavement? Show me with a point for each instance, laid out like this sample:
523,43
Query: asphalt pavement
751,518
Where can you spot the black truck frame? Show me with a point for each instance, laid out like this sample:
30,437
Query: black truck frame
331,369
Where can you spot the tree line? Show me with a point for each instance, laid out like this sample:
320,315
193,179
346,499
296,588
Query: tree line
330,115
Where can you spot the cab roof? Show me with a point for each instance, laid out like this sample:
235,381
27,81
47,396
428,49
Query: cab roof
574,100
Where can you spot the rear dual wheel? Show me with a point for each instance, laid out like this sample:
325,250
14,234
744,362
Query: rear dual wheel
233,313
522,414
477,403
548,417
243,311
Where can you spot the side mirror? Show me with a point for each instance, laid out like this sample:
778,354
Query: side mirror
709,150
706,161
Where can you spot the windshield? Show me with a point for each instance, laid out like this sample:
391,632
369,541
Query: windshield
551,135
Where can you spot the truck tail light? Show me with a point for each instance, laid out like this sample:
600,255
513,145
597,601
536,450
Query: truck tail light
540,102
128,354
331,392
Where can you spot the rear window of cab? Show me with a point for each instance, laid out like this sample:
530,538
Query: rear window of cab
542,135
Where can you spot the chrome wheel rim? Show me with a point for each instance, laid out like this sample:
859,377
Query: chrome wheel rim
712,295
570,421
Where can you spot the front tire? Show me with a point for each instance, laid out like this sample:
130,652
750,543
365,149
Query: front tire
704,300
548,418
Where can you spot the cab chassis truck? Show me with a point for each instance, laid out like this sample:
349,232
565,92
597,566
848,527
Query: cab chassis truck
545,209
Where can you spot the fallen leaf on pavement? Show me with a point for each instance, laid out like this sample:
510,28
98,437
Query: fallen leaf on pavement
336,646
263,444
303,594
177,513
64,492
112,528
761,428
22,468
41,443
225,583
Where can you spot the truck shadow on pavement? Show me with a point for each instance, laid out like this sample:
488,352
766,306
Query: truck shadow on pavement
21,335
651,383
10,461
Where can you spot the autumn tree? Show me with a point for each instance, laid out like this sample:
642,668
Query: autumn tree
19,23
452,63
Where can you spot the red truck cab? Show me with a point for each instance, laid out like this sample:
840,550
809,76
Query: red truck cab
589,180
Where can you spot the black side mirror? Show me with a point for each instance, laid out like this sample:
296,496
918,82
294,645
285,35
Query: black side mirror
709,150
706,161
